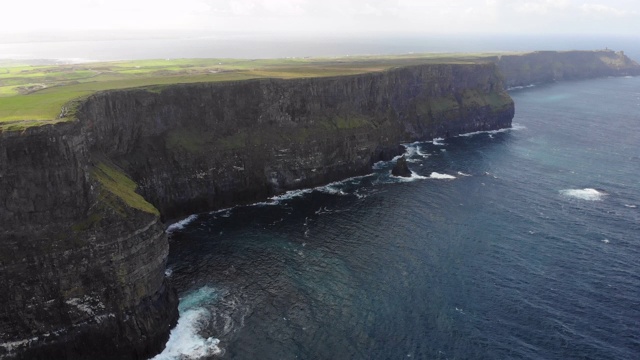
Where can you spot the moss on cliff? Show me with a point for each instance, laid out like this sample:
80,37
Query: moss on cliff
118,184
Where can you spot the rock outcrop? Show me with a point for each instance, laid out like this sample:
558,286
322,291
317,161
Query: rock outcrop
83,247
401,168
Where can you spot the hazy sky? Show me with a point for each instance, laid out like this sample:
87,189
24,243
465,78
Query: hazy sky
326,17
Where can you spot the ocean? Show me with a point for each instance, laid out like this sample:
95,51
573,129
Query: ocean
514,244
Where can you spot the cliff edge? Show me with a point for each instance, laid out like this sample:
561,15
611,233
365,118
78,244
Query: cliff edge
549,66
83,242
84,248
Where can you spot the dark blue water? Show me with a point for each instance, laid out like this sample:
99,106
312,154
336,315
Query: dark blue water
529,249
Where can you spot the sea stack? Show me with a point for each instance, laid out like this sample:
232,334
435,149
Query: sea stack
401,168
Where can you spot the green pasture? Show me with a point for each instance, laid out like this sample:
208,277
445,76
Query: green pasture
33,95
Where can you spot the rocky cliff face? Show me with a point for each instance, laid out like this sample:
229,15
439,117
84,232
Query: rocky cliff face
83,247
548,66
198,147
81,271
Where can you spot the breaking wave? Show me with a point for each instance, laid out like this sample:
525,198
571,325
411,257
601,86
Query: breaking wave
520,87
413,177
185,340
439,176
514,127
584,194
181,224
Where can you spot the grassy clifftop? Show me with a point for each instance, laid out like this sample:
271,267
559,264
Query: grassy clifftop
32,95
35,94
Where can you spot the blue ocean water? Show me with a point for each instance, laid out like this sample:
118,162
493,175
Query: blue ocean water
516,244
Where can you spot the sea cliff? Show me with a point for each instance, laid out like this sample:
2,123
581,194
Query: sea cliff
542,67
83,202
84,247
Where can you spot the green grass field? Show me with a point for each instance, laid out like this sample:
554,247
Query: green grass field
32,95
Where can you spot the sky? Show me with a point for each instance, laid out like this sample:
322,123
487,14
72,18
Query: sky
324,17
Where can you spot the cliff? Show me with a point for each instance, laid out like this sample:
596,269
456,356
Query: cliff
548,66
198,147
81,269
84,249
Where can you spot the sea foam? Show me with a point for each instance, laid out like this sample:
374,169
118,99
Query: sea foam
411,178
584,194
185,340
331,188
181,224
439,176
514,127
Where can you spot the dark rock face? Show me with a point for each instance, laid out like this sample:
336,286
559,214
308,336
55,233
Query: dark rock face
401,168
197,147
548,66
83,255
81,273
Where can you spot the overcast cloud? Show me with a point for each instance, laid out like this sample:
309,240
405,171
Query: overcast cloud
327,17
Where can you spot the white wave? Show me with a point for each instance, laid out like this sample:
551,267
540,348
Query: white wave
514,127
584,194
414,150
181,224
413,177
331,189
223,211
379,165
435,175
168,272
463,174
410,149
438,141
291,194
359,195
630,206
419,152
520,87
185,340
